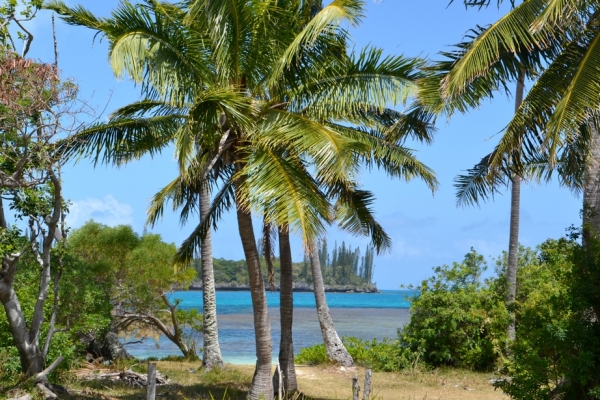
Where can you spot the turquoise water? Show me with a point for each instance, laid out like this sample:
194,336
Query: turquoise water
363,315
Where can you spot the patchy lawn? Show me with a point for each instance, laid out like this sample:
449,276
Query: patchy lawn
189,381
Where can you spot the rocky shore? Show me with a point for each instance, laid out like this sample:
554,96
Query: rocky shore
298,287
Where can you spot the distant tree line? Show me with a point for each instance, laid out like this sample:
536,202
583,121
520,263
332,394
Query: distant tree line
343,266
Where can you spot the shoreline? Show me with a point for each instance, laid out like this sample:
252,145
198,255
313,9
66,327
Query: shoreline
229,287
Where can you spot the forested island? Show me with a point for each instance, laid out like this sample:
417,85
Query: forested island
345,269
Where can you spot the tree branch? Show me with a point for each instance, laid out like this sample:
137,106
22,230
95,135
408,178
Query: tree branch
29,39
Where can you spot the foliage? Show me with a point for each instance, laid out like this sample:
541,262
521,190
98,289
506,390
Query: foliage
556,349
17,12
313,355
457,319
386,355
135,275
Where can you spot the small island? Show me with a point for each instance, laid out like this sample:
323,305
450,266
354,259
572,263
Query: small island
345,270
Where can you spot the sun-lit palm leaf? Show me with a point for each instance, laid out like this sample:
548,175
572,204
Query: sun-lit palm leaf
509,34
166,59
578,101
366,80
560,12
326,21
329,152
526,131
281,189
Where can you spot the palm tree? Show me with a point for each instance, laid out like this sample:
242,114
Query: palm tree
286,309
483,64
281,100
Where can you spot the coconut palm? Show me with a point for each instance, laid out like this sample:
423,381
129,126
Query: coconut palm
281,133
490,59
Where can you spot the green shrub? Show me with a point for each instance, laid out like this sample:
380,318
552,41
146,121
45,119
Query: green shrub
313,355
386,355
458,320
556,352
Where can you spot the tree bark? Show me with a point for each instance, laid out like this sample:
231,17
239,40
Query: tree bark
211,356
591,189
262,385
513,240
30,353
333,345
286,309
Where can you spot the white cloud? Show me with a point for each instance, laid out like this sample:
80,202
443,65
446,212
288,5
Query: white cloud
107,211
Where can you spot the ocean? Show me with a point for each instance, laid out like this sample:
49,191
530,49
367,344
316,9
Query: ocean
363,315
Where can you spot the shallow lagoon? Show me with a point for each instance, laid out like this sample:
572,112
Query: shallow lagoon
363,315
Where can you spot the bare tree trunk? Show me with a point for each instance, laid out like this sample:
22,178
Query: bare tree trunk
333,345
211,356
513,241
591,189
286,296
262,384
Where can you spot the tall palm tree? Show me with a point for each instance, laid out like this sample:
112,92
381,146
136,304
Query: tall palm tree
480,66
283,100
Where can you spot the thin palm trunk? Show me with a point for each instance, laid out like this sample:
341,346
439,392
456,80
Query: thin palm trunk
211,356
333,345
262,384
513,241
591,189
286,309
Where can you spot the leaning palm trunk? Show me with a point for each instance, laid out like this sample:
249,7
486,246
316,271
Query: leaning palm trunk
262,385
333,345
513,241
211,356
286,296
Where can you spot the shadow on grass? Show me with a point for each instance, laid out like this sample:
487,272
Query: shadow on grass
108,390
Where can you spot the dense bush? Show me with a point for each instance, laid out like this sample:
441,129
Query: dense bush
386,355
556,354
458,319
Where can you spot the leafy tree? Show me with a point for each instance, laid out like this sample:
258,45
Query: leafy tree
36,108
555,354
138,273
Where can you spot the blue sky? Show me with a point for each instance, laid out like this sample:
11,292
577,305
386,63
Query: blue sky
427,229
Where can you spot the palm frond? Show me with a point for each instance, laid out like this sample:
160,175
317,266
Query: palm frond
354,214
327,20
280,188
478,184
222,202
397,161
509,35
123,139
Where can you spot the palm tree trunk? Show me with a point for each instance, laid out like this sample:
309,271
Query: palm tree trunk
515,212
262,385
286,296
591,190
333,345
211,356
